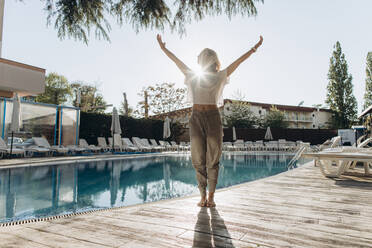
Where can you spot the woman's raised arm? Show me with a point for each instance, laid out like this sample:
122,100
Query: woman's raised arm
173,57
231,68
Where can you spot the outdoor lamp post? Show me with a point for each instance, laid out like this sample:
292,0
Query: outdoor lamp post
299,105
126,109
2,3
78,97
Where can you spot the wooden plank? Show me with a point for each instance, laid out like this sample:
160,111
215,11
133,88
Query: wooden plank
52,239
81,231
11,241
200,239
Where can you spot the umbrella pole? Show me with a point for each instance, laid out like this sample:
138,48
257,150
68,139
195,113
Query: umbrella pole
113,142
11,145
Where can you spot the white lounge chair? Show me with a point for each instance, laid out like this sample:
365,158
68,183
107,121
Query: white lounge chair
334,168
42,142
128,145
328,144
153,144
137,141
239,145
363,144
174,145
74,149
4,149
335,162
102,144
84,144
147,143
184,146
227,146
3,152
291,146
248,145
40,147
258,145
282,145
165,145
332,143
272,145
362,141
117,142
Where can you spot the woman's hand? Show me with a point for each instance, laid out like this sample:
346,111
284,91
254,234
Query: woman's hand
259,43
173,57
161,43
231,68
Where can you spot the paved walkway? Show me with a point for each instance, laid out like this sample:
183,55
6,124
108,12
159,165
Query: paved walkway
299,208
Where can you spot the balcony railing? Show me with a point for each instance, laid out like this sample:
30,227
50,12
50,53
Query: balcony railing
309,119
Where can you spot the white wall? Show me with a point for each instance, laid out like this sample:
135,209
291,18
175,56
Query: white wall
323,118
21,79
1,24
319,120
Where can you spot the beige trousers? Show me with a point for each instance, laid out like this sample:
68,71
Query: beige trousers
206,147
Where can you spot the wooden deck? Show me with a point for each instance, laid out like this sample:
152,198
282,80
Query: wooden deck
299,208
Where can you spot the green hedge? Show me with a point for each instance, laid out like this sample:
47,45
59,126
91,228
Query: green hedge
93,125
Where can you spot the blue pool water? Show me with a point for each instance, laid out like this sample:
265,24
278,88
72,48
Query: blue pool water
34,192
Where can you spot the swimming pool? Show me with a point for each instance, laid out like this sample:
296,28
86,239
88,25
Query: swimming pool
36,192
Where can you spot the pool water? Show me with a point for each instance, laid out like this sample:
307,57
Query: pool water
34,192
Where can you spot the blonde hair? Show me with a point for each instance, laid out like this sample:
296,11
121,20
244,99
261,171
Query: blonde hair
208,60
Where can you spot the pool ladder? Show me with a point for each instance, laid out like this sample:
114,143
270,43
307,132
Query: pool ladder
293,162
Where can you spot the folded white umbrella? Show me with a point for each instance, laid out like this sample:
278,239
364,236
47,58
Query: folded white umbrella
115,122
115,126
268,134
166,128
234,133
16,115
16,119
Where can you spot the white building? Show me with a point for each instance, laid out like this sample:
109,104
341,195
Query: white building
296,116
16,77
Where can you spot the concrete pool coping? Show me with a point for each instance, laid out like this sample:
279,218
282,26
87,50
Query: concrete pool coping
42,161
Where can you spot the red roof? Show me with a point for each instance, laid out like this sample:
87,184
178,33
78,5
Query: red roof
281,107
267,106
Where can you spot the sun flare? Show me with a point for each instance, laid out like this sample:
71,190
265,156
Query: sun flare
199,72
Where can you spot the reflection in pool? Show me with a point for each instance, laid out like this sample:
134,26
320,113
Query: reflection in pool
33,192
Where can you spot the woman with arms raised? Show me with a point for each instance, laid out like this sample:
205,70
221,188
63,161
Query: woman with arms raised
205,94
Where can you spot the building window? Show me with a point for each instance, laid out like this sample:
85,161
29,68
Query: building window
259,111
313,115
227,108
313,126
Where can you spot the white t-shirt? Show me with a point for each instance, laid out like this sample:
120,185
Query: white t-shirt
206,89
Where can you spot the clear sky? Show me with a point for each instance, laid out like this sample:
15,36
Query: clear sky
290,67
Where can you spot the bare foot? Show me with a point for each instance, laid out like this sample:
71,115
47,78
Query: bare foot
202,203
210,201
